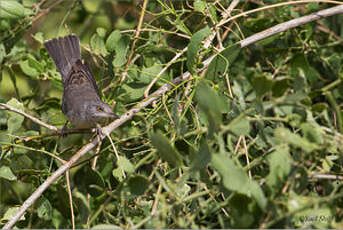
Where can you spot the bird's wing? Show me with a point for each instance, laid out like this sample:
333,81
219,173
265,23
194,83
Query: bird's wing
81,76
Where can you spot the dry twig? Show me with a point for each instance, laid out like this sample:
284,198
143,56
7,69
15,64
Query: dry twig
35,120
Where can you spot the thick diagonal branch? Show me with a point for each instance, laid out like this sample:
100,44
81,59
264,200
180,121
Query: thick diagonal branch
107,130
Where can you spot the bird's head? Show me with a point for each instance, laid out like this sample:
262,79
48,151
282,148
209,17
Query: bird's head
100,110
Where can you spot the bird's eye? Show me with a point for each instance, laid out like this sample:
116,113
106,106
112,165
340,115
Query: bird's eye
99,108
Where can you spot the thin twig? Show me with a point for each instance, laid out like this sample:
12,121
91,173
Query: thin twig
70,200
207,43
246,153
157,196
19,140
45,11
325,176
35,120
146,91
291,24
139,26
116,153
274,6
228,85
159,31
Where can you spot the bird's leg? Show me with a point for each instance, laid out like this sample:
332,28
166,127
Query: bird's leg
98,132
64,129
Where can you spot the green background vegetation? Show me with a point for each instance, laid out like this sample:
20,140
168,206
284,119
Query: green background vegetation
233,147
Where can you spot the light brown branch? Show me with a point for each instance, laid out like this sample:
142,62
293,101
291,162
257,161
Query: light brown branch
106,131
222,22
35,120
291,24
140,23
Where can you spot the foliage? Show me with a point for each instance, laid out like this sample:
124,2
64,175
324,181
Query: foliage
233,147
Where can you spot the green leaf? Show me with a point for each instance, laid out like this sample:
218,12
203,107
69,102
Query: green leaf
220,63
39,37
138,184
118,174
112,40
280,167
213,13
300,66
89,180
2,53
118,43
280,86
133,91
35,64
240,126
149,73
262,85
6,173
121,49
193,48
283,135
81,202
237,180
243,211
15,120
91,6
11,212
200,6
98,45
27,69
312,133
165,150
125,165
210,103
10,9
202,157
57,219
44,209
101,32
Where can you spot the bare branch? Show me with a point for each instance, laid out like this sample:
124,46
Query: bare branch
325,176
35,120
291,24
222,22
106,131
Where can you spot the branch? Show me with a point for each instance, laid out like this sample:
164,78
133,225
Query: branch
277,5
35,120
106,131
291,24
140,23
19,140
325,176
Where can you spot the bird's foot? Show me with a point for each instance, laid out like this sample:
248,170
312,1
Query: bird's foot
98,132
64,130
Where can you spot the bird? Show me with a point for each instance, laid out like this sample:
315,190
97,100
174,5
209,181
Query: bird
81,101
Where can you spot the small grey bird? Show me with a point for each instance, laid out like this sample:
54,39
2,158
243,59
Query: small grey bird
81,101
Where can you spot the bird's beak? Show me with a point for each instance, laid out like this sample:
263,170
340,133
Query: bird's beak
112,115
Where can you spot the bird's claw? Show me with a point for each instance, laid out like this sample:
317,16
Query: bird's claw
64,130
98,132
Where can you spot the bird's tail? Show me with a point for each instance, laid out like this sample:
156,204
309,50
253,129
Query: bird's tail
65,51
